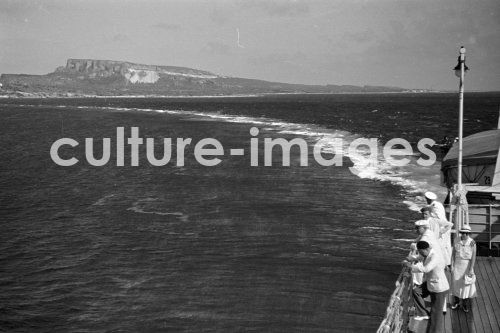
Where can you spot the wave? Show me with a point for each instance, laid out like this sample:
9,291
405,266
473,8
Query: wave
384,228
413,178
181,216
147,205
102,201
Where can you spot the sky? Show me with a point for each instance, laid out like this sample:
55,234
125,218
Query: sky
404,43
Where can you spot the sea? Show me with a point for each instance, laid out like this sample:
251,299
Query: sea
233,247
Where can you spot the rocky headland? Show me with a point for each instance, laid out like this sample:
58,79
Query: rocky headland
88,77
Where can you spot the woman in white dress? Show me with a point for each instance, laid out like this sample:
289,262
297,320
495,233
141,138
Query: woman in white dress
463,278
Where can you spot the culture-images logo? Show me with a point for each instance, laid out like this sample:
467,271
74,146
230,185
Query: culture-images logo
328,151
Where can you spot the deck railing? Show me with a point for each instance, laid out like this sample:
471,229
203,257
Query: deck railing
397,313
485,223
484,220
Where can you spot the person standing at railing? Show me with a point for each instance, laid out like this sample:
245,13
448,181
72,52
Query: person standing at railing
437,211
438,207
436,284
424,234
440,228
463,277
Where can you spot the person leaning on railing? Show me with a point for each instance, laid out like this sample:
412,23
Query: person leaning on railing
463,277
424,233
432,264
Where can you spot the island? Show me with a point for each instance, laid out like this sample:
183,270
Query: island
91,78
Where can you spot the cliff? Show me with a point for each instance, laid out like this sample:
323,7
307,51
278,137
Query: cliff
83,77
134,73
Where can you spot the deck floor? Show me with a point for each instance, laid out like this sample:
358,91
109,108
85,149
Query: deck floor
484,315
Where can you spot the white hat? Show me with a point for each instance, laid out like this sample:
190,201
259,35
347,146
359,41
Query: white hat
465,228
420,223
430,195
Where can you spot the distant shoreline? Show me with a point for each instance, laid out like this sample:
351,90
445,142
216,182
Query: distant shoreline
42,95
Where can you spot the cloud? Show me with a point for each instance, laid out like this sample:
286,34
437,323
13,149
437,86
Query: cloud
166,26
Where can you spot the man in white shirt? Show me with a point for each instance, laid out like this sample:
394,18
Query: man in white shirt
436,206
437,225
441,229
424,234
436,285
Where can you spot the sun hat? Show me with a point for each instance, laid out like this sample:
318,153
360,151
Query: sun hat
430,195
465,228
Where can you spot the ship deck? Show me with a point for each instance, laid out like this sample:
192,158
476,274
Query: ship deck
484,315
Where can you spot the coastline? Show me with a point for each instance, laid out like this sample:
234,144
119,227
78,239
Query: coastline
18,94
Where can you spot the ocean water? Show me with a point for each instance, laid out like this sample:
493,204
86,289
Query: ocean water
227,248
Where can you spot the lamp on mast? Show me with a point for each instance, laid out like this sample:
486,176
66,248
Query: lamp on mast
460,70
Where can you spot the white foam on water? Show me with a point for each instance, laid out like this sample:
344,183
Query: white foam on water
181,216
415,179
412,205
141,206
102,201
384,228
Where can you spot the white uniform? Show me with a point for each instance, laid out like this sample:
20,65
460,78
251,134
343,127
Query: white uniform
427,236
441,229
433,269
445,238
438,209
